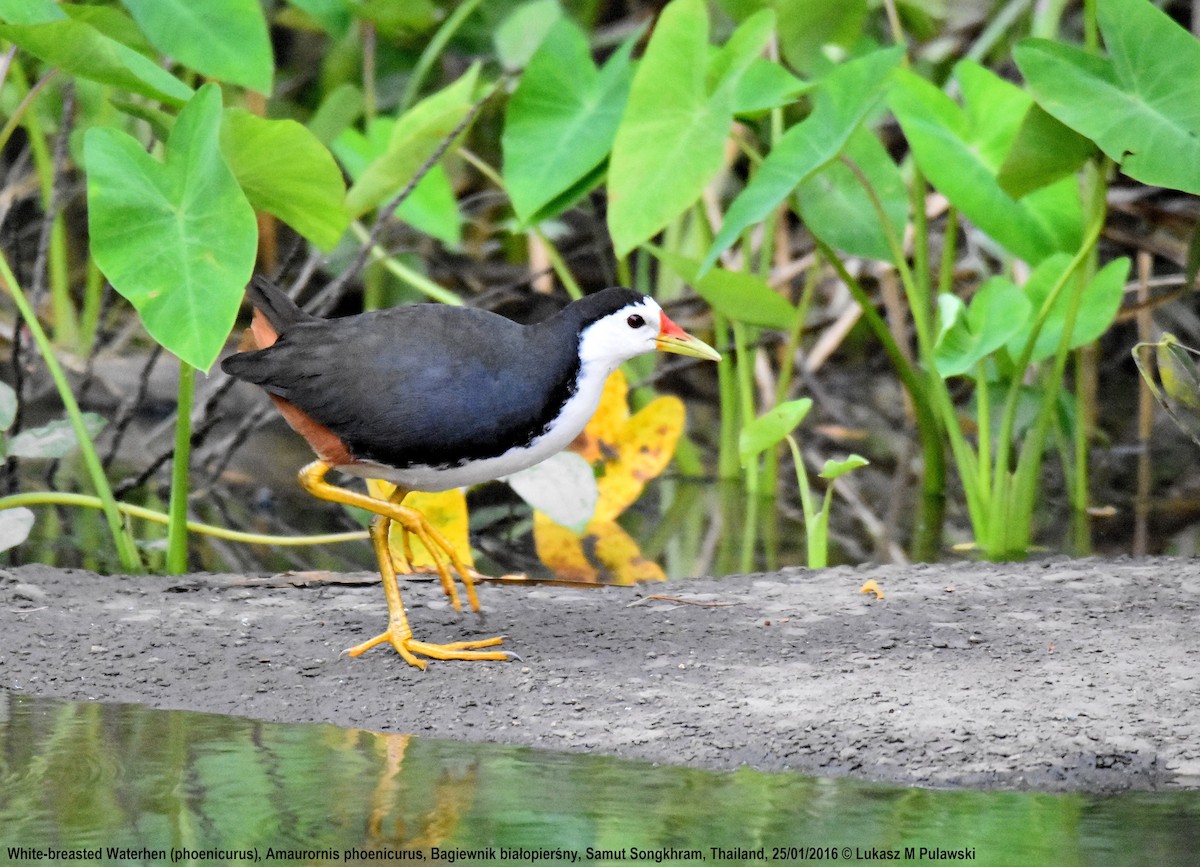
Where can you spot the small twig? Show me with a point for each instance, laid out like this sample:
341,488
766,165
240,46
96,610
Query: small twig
328,296
128,407
681,601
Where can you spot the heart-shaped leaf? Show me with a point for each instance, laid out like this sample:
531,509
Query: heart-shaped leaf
1097,308
603,554
841,102
223,39
1140,105
834,203
561,120
671,140
967,335
431,206
769,429
834,468
961,150
305,190
563,486
176,238
80,49
445,510
416,136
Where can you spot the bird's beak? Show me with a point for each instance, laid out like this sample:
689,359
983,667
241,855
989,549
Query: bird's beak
672,338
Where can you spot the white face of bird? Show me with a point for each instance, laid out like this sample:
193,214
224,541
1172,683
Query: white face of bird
636,328
621,335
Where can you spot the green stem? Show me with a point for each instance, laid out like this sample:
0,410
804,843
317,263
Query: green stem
58,498
949,252
728,461
559,265
177,541
744,365
1084,413
984,420
66,326
814,532
927,531
433,49
1008,419
413,278
126,549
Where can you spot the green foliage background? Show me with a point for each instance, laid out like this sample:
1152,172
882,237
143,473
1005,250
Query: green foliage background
748,152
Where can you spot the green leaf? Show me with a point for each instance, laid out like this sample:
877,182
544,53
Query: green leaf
833,469
30,11
739,296
178,238
838,209
114,23
222,39
54,440
334,16
766,85
8,406
807,28
841,102
671,140
15,525
960,151
305,190
341,107
520,34
1140,106
769,429
417,135
729,65
80,49
430,208
561,120
966,336
1097,308
563,486
1045,150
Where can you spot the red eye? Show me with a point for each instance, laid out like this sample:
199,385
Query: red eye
635,321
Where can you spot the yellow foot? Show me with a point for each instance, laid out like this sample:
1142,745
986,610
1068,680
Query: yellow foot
411,649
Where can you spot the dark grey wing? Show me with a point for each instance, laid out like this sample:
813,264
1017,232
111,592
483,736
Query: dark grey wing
423,384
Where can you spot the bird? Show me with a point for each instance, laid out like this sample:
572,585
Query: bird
431,397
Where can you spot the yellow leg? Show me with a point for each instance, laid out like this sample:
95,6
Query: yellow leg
398,633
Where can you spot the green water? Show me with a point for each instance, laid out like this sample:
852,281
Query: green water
87,778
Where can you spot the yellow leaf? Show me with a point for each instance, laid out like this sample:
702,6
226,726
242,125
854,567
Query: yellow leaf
603,554
445,510
561,549
644,447
599,438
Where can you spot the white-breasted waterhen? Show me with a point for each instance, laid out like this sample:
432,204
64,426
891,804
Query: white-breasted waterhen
431,397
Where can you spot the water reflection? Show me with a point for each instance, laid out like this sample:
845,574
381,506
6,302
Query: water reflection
84,776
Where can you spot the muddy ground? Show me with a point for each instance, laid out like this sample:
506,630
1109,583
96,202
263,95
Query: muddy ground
1060,675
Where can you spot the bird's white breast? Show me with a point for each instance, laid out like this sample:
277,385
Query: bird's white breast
576,413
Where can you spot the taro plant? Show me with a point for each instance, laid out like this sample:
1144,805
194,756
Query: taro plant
776,426
1016,168
712,136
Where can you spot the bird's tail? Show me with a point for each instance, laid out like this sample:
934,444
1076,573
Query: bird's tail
274,311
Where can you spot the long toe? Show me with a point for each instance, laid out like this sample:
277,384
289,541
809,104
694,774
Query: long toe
412,650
